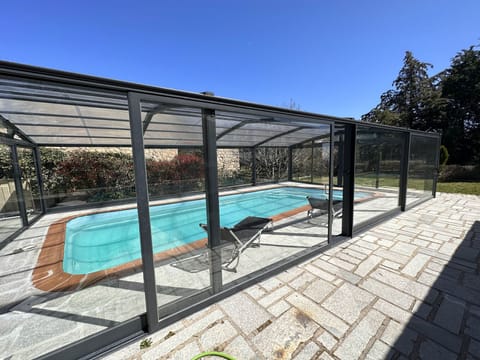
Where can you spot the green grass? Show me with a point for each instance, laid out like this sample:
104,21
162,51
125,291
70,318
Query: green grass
459,187
413,183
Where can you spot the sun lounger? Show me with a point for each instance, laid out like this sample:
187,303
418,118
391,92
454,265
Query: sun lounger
242,235
322,205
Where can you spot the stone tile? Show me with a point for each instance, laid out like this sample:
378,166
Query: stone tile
290,274
308,352
388,293
400,337
421,309
213,337
301,281
349,259
274,296
279,308
344,274
255,291
245,313
391,265
415,265
385,243
319,273
353,253
281,338
271,284
368,265
472,327
450,314
379,350
369,238
347,302
395,257
240,349
185,353
325,356
342,264
180,337
420,242
403,248
327,340
355,343
431,350
447,248
360,249
318,290
366,245
327,320
392,311
399,282
474,347
446,338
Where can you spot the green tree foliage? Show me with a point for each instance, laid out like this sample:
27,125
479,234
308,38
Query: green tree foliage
448,102
414,103
461,125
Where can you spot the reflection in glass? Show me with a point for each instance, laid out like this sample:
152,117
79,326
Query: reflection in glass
10,220
29,181
421,167
377,172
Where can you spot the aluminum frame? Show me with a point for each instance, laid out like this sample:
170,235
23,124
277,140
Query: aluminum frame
135,93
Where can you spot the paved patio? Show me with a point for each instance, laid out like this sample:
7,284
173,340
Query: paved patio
408,288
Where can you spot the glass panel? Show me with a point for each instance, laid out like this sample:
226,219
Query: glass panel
273,220
81,176
176,183
339,152
271,164
377,172
10,220
421,167
234,167
302,164
29,180
72,274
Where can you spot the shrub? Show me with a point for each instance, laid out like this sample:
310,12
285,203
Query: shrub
451,173
101,175
444,155
181,174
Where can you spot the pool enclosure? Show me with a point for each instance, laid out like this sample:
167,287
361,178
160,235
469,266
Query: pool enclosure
76,147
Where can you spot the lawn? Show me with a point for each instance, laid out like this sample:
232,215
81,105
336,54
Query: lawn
459,187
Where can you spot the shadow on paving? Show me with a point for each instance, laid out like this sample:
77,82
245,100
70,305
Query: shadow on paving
447,324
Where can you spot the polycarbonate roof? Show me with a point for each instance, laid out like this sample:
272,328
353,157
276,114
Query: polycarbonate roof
54,114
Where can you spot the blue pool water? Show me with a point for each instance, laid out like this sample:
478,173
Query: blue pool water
101,241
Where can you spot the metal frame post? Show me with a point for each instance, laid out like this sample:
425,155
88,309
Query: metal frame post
340,160
311,164
290,164
141,187
403,186
211,194
254,166
17,175
38,168
349,179
330,186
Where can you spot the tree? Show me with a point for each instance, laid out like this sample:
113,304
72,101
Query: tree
461,125
414,103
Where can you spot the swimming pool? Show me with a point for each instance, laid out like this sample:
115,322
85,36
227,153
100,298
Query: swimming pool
104,240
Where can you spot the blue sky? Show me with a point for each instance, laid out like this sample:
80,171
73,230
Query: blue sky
334,57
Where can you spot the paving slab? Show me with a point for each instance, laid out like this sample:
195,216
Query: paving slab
408,287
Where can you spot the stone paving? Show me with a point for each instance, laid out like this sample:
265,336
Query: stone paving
408,288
